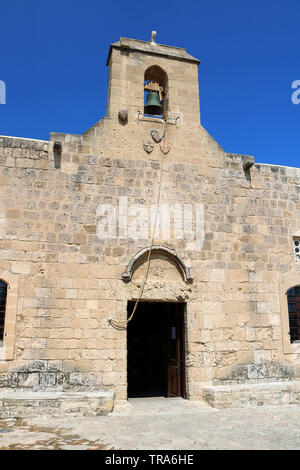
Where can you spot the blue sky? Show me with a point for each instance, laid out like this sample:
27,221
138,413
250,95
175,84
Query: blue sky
53,56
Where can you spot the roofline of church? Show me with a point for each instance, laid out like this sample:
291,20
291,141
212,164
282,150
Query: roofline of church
152,48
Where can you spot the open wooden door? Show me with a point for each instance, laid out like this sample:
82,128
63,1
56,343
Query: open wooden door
176,353
155,350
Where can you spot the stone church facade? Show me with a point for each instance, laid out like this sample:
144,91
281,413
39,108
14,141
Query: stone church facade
74,260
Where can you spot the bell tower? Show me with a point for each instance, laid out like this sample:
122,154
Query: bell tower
149,79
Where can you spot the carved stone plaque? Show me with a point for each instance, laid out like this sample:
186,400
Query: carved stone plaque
123,115
156,135
148,146
165,147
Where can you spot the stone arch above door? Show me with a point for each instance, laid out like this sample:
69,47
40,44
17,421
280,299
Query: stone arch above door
166,252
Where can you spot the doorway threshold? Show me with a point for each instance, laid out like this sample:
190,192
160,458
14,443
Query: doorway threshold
158,406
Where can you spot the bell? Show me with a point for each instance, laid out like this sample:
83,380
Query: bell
153,105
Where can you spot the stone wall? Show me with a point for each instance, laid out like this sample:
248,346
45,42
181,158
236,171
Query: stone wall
70,281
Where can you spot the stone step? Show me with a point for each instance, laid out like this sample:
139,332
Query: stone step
21,404
151,406
252,394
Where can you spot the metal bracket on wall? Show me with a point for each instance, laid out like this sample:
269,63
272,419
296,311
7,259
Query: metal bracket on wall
159,120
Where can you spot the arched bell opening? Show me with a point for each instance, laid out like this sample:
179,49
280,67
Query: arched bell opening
155,91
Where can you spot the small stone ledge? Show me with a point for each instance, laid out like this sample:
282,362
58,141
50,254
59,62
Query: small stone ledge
247,395
23,143
58,404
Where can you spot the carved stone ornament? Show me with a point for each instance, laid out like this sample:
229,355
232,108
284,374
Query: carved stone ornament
165,147
123,115
156,135
171,254
148,146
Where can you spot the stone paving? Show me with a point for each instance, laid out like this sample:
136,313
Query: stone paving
158,424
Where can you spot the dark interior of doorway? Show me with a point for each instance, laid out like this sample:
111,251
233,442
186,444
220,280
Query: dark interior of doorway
147,349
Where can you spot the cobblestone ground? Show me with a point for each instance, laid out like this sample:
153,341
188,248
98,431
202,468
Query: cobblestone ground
158,424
